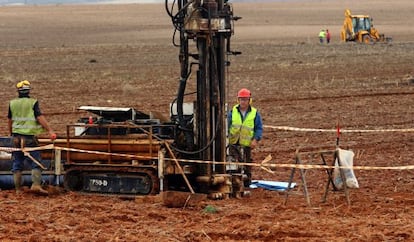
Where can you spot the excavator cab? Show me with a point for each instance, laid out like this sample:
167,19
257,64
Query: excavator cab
361,24
362,28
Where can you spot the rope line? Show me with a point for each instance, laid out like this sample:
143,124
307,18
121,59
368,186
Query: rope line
288,128
265,162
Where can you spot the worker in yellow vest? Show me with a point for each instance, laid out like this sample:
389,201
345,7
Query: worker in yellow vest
322,36
25,121
245,130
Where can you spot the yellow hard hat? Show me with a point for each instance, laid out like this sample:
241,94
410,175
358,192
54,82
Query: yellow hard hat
23,85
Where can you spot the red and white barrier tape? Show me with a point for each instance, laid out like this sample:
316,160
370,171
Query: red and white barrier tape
267,164
287,128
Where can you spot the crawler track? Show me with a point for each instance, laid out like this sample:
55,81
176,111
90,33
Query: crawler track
86,178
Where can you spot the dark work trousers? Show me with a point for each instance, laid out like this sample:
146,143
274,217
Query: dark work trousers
21,141
242,154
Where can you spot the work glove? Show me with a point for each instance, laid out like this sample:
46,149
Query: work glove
52,135
253,144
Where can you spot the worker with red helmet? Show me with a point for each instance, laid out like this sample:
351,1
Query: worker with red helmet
328,36
245,130
25,121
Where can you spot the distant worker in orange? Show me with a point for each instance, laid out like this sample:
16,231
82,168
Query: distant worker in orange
322,35
245,130
25,121
328,36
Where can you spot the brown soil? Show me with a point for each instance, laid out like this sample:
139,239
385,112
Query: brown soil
121,55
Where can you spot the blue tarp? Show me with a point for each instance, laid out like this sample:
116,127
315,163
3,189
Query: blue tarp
271,185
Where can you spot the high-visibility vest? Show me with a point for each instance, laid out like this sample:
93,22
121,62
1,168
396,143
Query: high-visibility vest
24,120
242,131
322,34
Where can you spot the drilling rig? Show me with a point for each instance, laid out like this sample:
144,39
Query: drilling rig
125,151
204,29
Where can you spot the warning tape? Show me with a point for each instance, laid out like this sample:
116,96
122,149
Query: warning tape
263,164
12,149
287,128
303,166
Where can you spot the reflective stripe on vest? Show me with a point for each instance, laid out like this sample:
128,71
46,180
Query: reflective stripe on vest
242,131
24,121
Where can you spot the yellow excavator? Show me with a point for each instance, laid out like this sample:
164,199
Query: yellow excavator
359,28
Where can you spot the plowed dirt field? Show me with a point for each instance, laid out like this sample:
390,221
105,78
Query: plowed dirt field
122,56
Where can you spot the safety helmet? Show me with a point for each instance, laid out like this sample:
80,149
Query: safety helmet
23,86
244,92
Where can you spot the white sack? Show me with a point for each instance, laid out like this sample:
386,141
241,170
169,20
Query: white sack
347,159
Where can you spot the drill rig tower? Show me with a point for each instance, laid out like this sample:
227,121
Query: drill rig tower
204,29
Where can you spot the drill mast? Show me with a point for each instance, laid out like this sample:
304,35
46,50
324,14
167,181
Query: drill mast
204,29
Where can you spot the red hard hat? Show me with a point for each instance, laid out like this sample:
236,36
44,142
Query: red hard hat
244,93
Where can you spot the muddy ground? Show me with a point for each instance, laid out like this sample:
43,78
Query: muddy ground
122,55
